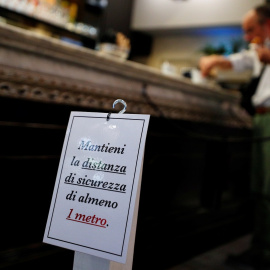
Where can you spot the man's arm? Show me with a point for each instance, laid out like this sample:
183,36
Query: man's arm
208,62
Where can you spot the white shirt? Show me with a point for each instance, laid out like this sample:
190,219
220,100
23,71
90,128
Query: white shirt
248,59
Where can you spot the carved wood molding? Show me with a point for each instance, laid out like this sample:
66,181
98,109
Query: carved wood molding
46,70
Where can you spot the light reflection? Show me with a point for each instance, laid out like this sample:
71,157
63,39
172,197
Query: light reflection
98,176
112,130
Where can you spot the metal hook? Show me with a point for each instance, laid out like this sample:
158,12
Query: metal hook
115,102
120,101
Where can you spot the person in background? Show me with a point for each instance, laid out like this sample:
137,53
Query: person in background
256,32
256,26
256,29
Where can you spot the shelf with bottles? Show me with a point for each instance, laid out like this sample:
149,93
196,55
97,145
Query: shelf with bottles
57,15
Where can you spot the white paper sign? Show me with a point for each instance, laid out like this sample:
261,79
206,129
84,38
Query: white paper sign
95,189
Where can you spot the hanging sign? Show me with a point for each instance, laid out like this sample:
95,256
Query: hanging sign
94,195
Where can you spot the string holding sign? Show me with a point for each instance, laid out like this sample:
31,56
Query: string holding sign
115,102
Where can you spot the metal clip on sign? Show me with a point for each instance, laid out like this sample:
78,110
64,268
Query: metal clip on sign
115,102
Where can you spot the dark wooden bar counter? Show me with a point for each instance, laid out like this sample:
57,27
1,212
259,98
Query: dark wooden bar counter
194,193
